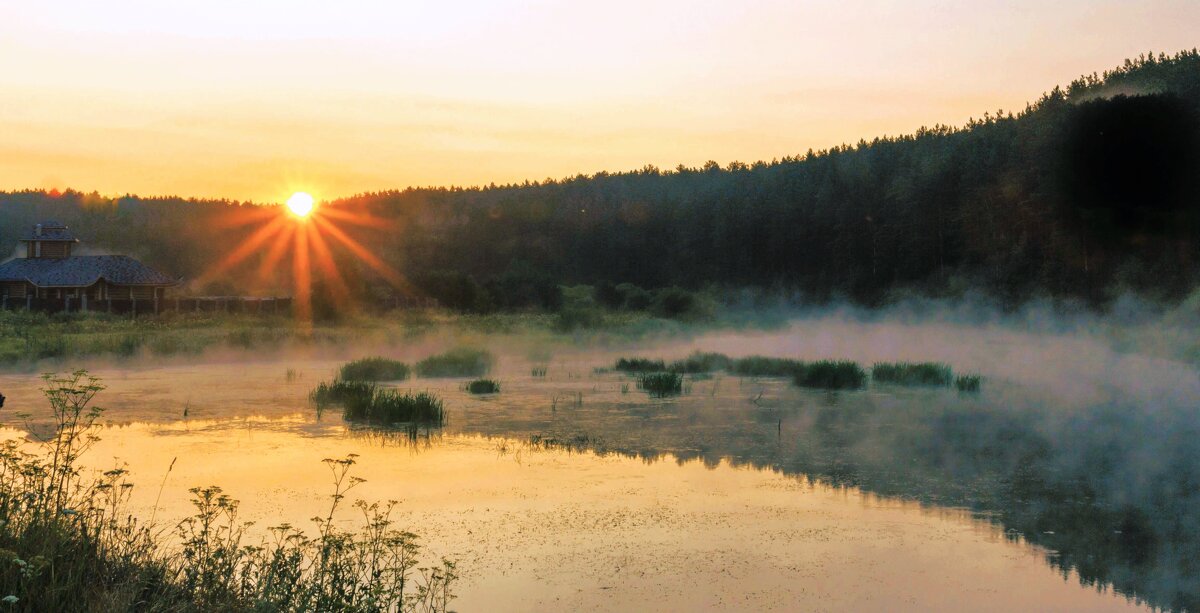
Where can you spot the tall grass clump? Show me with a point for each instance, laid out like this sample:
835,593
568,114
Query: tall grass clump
831,375
661,384
364,401
374,369
912,373
537,371
970,384
642,365
699,363
390,407
340,392
460,362
69,542
484,386
762,366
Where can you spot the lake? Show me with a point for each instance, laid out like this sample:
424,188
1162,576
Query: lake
576,491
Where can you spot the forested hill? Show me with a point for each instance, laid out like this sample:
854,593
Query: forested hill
1090,190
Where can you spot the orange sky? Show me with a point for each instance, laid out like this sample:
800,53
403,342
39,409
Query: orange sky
253,100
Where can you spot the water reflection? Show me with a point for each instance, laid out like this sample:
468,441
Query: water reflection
1079,483
1107,489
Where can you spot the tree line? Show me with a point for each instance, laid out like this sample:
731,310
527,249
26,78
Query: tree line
1090,191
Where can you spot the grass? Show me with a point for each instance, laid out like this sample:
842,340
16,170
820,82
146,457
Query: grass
831,375
460,362
912,373
374,369
364,401
639,365
69,542
339,392
537,371
970,384
390,407
484,386
661,384
700,363
762,366
29,337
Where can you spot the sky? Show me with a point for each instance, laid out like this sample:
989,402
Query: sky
248,99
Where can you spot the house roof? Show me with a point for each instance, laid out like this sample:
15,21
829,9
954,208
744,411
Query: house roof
51,231
82,271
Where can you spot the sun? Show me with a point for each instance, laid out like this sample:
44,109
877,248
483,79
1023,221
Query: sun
300,204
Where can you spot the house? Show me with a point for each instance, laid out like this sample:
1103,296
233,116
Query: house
50,278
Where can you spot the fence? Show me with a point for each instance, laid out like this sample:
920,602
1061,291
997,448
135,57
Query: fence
227,304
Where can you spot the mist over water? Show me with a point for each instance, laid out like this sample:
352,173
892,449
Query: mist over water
1083,442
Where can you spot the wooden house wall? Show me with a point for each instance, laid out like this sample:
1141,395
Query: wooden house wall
55,249
14,289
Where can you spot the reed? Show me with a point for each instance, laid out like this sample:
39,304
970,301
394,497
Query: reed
460,362
484,386
701,363
969,384
639,365
762,366
390,407
661,384
831,375
912,373
340,392
374,369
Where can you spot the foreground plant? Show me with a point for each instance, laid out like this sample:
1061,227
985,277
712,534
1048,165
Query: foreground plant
69,542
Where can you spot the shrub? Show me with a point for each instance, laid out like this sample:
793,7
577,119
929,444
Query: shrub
484,386
673,303
461,362
374,369
660,384
522,285
634,298
639,365
572,318
831,375
910,373
607,294
454,290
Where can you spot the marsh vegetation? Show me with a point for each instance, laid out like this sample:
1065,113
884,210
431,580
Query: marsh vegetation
367,402
912,373
484,386
661,384
458,362
374,369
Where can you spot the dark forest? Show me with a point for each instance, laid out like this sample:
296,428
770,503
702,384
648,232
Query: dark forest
1089,192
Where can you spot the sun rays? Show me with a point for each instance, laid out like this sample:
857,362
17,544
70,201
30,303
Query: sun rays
302,229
